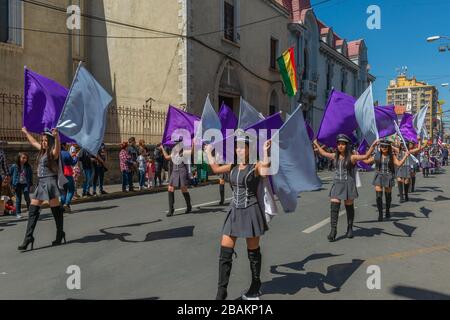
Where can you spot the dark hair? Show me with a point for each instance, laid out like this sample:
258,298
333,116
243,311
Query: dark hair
20,155
379,156
49,152
347,156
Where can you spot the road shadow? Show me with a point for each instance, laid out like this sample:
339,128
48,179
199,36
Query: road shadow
417,200
419,294
426,212
434,189
407,230
441,198
360,232
138,299
291,281
94,209
108,235
203,210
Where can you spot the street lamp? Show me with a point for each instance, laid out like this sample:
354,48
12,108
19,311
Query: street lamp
434,38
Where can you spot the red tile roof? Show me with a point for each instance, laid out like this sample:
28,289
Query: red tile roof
324,31
353,48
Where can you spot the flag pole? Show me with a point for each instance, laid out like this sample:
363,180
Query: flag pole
404,142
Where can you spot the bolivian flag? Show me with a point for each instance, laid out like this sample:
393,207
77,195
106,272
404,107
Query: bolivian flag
288,71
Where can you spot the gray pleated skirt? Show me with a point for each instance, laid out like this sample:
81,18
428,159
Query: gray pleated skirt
179,178
245,223
403,172
344,190
385,180
47,189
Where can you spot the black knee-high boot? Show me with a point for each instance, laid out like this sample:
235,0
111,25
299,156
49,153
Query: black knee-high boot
334,221
225,264
222,193
388,204
187,198
33,217
400,190
254,256
350,218
380,205
58,215
171,204
406,188
413,184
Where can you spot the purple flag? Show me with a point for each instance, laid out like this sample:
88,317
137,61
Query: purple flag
227,118
43,103
339,117
178,119
362,150
270,123
309,130
385,117
273,122
407,128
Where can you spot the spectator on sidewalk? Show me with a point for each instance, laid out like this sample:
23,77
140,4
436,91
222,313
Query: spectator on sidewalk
159,162
4,175
445,156
86,159
69,160
100,169
125,165
21,181
142,166
150,172
133,153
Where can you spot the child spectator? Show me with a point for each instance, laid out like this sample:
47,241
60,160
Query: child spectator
150,172
21,182
142,166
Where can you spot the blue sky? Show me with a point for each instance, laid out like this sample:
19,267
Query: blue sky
405,25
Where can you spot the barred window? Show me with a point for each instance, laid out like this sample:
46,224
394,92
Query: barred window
229,21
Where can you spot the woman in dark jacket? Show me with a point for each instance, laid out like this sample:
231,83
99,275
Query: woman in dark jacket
21,181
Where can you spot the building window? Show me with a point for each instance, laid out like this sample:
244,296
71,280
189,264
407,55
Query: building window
273,53
11,22
4,20
305,63
329,77
229,21
343,80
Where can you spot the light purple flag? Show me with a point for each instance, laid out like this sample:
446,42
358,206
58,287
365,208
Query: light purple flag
43,103
407,129
178,119
385,117
339,118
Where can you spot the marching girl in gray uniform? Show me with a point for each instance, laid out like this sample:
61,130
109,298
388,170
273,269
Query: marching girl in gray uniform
178,176
344,184
425,163
385,162
404,171
245,218
47,188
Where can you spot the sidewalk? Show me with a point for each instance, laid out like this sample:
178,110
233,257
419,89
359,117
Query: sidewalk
115,192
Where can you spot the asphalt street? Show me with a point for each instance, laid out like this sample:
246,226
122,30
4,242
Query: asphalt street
128,249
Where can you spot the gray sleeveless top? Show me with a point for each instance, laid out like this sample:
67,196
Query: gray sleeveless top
43,168
244,184
342,173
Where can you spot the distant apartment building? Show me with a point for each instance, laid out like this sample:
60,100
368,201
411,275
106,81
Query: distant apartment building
410,95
